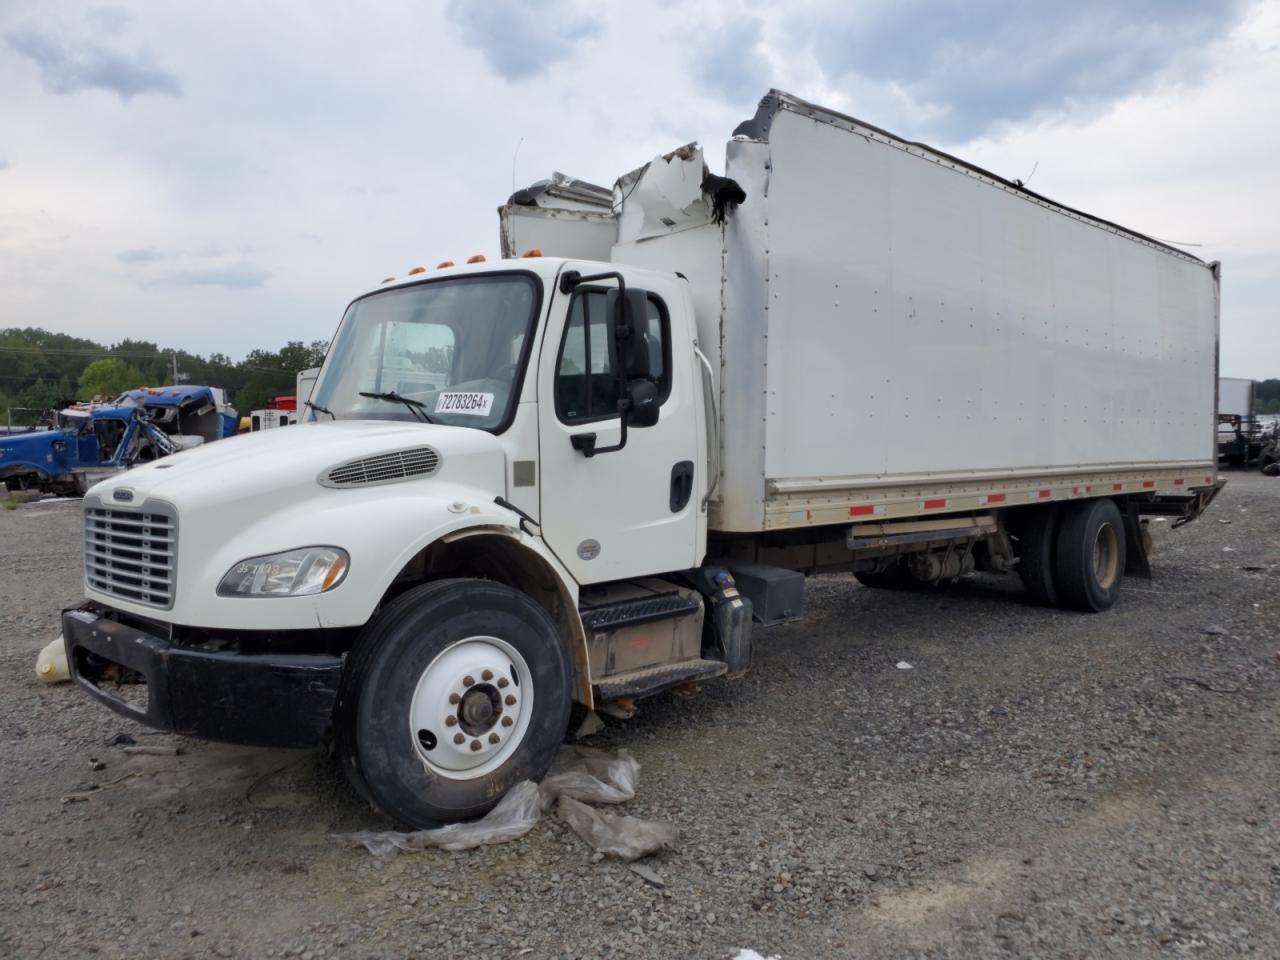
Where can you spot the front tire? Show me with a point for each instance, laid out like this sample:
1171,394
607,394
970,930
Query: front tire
1090,555
455,692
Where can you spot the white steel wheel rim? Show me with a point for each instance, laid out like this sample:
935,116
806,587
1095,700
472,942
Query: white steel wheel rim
1106,556
471,708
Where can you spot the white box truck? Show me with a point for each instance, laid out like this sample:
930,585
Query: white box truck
1240,435
579,476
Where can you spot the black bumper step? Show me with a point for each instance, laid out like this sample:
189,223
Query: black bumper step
650,680
625,613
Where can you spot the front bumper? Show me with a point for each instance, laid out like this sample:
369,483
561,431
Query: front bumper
270,700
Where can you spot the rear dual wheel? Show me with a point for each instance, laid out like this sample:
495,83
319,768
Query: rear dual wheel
1073,556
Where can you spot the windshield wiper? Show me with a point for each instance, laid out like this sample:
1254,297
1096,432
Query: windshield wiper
418,408
319,409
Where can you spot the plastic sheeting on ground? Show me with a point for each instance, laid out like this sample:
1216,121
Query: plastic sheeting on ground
578,776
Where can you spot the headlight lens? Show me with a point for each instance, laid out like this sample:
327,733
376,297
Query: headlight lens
295,573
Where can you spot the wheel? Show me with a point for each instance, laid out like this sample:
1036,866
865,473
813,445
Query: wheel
896,576
1090,555
1037,537
454,693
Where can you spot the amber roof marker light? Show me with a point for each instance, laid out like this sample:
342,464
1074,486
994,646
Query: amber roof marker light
531,252
476,258
443,264
417,270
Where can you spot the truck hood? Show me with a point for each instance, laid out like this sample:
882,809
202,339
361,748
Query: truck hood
277,467
33,447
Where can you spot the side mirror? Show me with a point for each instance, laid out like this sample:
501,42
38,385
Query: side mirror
629,309
644,409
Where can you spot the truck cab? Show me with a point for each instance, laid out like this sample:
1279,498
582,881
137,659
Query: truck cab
491,511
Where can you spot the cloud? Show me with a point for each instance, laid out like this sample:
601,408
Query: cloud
520,39
108,20
732,65
968,66
67,68
4,164
233,276
142,255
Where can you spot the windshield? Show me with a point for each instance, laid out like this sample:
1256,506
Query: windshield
453,348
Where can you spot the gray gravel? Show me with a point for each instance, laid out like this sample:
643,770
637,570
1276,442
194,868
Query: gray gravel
1040,784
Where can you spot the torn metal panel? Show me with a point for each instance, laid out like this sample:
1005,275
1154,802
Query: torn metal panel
664,196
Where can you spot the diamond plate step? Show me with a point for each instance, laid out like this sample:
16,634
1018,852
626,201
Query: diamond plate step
649,680
625,613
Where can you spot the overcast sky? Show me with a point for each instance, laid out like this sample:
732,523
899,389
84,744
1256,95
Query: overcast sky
227,176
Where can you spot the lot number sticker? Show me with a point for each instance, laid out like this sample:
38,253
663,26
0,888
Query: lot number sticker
472,404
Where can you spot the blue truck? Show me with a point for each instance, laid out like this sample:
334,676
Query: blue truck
91,441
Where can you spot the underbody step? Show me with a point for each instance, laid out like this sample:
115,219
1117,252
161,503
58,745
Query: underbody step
649,680
623,613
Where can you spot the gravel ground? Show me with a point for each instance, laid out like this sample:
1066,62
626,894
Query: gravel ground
1039,784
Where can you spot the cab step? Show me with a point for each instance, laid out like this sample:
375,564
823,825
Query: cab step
651,680
626,613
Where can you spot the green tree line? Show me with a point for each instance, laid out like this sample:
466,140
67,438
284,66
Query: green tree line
41,370
1266,396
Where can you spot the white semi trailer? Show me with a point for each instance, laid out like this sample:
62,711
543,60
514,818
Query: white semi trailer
555,479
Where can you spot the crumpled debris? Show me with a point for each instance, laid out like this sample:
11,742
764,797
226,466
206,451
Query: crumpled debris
615,835
579,775
595,776
513,817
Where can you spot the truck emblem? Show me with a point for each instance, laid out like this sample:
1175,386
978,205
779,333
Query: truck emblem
124,493
589,549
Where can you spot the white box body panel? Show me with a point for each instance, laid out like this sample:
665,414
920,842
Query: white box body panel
893,329
1235,396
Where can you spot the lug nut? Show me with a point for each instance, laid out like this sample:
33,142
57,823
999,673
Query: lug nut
468,681
475,745
487,675
510,701
503,681
493,738
458,738
451,721
507,721
454,698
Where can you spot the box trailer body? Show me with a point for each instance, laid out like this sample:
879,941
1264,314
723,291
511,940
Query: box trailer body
891,326
579,473
1241,436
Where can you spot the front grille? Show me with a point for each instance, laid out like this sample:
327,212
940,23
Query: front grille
131,554
384,468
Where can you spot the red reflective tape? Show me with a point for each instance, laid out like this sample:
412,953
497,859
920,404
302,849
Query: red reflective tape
934,504
1075,491
1088,488
1117,486
1148,484
995,498
1208,481
865,510
1045,494
1178,481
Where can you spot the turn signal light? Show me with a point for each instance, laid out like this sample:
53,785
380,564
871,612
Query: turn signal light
388,280
444,263
532,252
476,258
417,270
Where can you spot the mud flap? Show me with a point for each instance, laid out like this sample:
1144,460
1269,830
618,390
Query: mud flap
726,632
1137,562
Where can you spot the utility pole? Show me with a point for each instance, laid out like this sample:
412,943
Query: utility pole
175,368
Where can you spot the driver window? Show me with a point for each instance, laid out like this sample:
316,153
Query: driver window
586,385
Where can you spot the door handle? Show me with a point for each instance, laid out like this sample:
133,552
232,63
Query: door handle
681,485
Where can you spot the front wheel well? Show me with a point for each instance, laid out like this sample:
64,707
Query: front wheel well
502,559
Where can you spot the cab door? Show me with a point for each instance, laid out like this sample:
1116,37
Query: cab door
634,511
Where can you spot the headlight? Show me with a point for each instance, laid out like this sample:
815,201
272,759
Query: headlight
295,573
